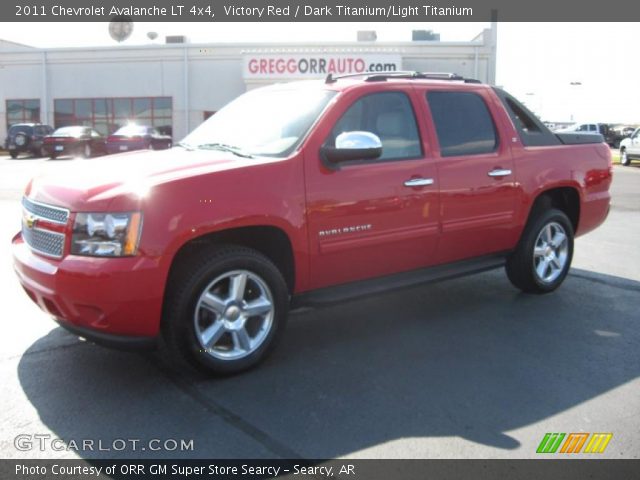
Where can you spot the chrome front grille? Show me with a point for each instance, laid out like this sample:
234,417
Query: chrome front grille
44,241
41,240
46,212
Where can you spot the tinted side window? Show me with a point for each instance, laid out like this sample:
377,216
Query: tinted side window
463,123
390,116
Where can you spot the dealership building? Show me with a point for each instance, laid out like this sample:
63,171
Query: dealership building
175,86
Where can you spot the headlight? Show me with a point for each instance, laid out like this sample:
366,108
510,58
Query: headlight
106,234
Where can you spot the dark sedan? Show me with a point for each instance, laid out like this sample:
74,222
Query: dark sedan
137,137
75,141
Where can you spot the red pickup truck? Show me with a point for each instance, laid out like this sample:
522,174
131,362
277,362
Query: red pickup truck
303,194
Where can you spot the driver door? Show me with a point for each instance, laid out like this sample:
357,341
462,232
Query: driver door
634,147
368,218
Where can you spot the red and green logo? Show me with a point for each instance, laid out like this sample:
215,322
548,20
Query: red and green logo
573,443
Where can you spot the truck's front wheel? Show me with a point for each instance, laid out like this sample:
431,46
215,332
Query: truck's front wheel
624,158
225,309
542,259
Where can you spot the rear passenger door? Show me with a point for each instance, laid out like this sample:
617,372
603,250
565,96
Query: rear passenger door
475,173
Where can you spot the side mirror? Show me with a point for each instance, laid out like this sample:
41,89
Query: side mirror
353,146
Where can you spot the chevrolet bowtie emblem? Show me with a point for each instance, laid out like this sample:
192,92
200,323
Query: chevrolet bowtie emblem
30,221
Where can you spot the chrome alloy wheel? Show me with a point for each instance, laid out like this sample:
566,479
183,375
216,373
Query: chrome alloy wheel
550,252
234,315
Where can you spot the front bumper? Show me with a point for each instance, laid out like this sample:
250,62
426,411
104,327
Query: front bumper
119,342
107,300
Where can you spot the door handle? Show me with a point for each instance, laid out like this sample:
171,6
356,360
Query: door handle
418,182
499,172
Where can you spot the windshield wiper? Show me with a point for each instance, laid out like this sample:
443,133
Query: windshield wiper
225,148
186,146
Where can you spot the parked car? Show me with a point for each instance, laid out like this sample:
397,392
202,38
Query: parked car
618,133
630,148
610,136
137,137
601,128
305,194
27,137
76,141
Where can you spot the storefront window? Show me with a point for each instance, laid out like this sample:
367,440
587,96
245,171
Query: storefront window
22,111
106,115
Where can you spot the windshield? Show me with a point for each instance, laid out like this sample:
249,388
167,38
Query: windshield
131,130
70,131
263,122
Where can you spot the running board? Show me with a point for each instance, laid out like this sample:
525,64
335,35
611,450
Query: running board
362,288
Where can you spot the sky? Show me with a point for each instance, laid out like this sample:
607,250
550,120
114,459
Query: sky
537,62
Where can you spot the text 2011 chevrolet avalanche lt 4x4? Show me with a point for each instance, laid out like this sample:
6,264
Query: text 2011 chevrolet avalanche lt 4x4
306,193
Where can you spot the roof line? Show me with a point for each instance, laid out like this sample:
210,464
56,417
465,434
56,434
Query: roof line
260,47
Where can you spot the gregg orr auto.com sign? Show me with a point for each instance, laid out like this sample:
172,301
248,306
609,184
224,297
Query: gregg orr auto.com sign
317,65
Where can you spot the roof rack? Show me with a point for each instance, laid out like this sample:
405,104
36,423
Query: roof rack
384,76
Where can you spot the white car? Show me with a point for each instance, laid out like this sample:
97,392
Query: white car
585,128
630,148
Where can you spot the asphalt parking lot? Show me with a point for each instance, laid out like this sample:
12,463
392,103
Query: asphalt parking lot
464,368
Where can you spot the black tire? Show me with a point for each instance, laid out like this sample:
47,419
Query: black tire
13,154
624,158
191,279
53,156
521,264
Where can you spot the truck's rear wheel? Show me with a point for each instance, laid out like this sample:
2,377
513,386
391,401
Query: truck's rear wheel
543,256
225,309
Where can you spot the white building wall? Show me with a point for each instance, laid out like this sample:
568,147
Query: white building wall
212,84
213,77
